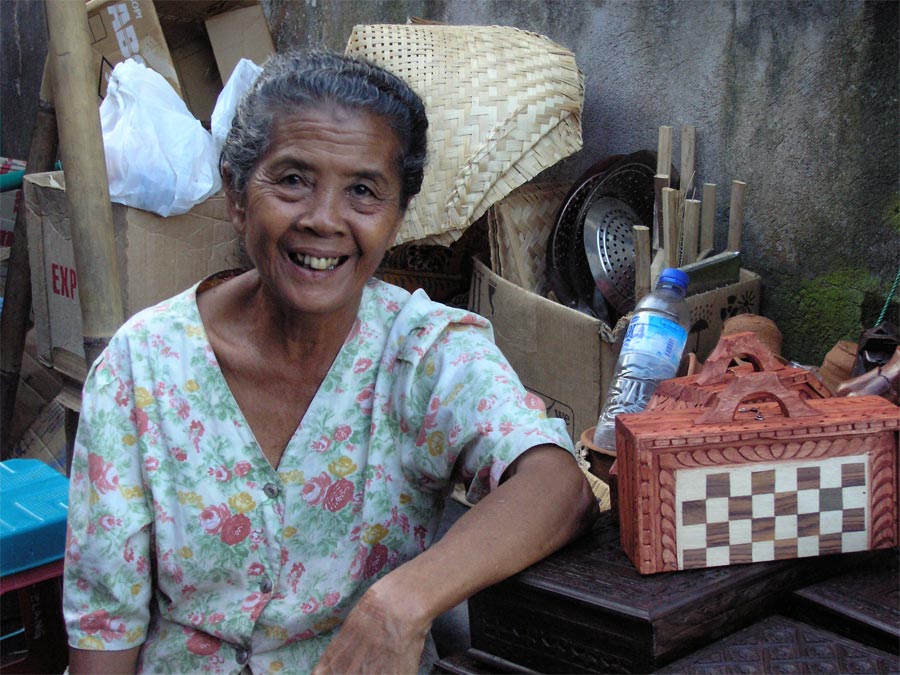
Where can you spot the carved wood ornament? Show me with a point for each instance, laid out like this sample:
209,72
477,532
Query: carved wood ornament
758,473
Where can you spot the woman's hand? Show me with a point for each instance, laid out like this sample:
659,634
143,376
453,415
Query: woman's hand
384,633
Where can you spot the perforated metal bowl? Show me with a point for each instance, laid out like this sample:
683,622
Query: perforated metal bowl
571,287
626,178
609,247
630,182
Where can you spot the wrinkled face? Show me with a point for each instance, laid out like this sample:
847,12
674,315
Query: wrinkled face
321,207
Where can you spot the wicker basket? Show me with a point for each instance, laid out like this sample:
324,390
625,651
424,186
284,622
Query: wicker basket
519,226
503,105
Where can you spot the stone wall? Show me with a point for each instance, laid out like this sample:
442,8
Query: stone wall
798,99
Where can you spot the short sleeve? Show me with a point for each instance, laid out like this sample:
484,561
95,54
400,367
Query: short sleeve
107,583
465,406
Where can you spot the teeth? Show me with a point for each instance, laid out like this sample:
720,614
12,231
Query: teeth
315,263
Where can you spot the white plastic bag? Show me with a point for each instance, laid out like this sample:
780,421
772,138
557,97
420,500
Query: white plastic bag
242,78
158,156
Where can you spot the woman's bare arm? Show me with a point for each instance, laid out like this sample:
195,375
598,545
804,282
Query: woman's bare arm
87,662
543,503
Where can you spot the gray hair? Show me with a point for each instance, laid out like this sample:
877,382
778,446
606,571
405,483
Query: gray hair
297,79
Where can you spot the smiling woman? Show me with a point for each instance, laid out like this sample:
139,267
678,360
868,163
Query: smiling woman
319,210
277,444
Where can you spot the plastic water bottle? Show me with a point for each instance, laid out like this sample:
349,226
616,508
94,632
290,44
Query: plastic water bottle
651,352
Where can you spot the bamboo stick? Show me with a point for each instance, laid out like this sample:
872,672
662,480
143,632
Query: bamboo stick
664,151
661,179
670,227
656,267
641,235
17,292
690,231
707,220
87,187
688,144
736,215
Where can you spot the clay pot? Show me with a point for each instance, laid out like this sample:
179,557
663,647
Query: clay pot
838,364
765,330
600,459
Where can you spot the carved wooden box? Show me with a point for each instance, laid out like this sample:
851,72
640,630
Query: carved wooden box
863,603
778,644
586,609
724,366
735,482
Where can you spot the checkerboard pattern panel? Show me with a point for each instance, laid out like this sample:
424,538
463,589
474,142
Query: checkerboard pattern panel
753,513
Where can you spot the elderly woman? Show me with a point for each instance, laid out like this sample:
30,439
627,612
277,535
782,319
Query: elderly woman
262,461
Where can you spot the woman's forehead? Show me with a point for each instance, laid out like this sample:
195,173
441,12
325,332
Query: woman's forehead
334,124
317,112
347,141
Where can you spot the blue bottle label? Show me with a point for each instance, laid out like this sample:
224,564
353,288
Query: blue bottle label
656,336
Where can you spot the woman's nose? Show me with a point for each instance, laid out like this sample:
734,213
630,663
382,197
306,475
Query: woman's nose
324,212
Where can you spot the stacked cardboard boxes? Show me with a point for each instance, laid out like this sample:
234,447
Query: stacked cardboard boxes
194,45
158,257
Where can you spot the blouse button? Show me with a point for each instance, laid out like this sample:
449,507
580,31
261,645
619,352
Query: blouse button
271,490
242,656
265,584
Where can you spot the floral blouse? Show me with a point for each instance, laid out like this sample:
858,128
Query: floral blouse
183,538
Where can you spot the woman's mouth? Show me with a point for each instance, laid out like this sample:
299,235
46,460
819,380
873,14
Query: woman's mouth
314,263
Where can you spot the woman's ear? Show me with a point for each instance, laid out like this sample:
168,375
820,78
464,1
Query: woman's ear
397,226
232,200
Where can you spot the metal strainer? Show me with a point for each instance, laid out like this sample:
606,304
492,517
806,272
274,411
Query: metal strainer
609,246
573,289
629,184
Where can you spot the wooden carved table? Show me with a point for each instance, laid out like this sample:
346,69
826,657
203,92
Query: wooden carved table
585,609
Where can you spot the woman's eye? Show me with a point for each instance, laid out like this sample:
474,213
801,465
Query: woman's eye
292,179
361,190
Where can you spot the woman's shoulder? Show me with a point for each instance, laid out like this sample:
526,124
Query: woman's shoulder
416,310
416,322
161,318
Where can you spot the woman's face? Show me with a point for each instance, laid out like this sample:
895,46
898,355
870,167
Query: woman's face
321,207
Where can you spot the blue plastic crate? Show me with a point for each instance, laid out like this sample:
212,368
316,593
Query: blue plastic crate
33,506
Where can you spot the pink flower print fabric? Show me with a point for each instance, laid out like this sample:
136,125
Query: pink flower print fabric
184,539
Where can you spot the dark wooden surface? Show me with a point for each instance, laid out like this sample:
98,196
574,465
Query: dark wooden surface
475,662
587,610
863,604
781,645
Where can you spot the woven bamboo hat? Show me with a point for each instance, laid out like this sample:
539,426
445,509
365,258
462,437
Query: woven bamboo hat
503,104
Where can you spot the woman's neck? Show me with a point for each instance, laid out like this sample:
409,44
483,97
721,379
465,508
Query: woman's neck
243,310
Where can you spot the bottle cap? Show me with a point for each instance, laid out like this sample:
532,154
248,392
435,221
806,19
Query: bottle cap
675,276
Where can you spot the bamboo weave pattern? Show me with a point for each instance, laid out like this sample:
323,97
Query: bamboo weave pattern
503,105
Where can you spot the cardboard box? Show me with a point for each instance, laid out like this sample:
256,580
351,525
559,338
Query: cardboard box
157,258
170,37
45,438
567,357
239,34
37,389
128,30
195,56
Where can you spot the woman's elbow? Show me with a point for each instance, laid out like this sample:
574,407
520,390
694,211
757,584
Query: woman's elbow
585,504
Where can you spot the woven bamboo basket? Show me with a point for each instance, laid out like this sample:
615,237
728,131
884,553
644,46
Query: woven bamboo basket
519,226
503,105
